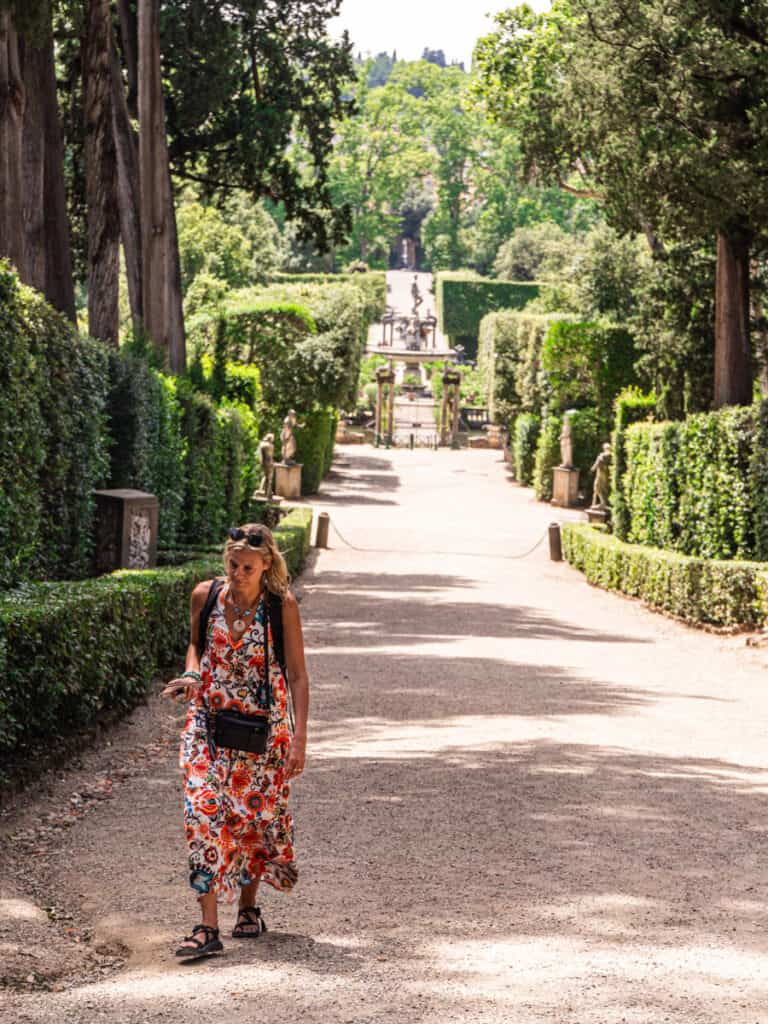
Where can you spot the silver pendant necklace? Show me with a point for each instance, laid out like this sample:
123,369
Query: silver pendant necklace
239,625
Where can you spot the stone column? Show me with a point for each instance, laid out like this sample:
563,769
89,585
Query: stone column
455,417
379,403
391,410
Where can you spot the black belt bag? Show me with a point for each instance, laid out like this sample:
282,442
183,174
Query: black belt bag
236,730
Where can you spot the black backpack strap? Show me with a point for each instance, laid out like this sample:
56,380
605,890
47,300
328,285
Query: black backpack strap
205,614
275,605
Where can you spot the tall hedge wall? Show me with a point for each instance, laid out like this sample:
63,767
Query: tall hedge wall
373,285
510,357
463,298
698,485
588,364
53,445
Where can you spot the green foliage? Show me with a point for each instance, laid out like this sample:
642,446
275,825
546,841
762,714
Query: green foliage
52,437
587,364
148,448
373,285
589,430
314,447
208,245
688,484
510,359
700,591
463,299
534,252
525,437
244,83
82,650
631,406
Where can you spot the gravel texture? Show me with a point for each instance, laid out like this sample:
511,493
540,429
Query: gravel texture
526,800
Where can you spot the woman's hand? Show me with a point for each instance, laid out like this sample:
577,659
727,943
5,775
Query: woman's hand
184,687
297,756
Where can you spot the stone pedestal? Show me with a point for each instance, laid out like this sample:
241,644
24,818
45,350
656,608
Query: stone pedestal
599,515
126,530
565,488
288,480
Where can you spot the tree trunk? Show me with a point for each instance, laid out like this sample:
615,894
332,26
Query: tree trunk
161,271
59,283
101,177
12,101
127,149
33,167
733,377
130,43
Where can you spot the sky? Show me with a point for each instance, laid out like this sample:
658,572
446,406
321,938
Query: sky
409,25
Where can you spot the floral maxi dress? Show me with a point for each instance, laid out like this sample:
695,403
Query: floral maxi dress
238,826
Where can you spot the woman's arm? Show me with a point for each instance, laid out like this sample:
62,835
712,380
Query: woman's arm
188,685
298,680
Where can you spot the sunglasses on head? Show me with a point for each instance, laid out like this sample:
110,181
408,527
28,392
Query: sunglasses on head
254,540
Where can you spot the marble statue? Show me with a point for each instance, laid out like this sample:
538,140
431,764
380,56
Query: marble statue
566,443
601,469
287,440
267,453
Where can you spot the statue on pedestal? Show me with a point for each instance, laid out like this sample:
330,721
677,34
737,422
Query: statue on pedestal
267,453
566,443
287,440
602,486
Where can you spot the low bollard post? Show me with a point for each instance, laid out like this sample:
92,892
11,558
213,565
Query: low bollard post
323,523
555,543
412,442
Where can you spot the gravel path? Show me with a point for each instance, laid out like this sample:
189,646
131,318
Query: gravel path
528,800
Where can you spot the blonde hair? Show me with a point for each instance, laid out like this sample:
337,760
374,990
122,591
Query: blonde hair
277,573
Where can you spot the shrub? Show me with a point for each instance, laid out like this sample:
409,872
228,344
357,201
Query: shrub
463,299
148,447
510,359
631,406
314,447
693,485
587,364
589,430
373,285
85,648
53,387
524,442
700,591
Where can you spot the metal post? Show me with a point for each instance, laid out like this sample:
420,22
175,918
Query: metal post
412,445
555,543
323,523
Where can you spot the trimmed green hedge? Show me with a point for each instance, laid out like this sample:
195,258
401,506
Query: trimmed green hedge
587,364
74,650
525,438
510,358
631,406
372,283
53,445
700,591
694,485
463,298
148,447
315,441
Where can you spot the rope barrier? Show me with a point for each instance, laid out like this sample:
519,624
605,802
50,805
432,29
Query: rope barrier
459,554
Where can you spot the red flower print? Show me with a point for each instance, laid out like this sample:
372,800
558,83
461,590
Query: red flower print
240,780
254,801
208,804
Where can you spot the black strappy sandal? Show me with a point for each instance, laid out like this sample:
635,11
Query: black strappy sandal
211,944
249,917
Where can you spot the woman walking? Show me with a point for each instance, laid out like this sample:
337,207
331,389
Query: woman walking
240,748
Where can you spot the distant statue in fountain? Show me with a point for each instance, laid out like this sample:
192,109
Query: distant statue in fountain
416,295
602,469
